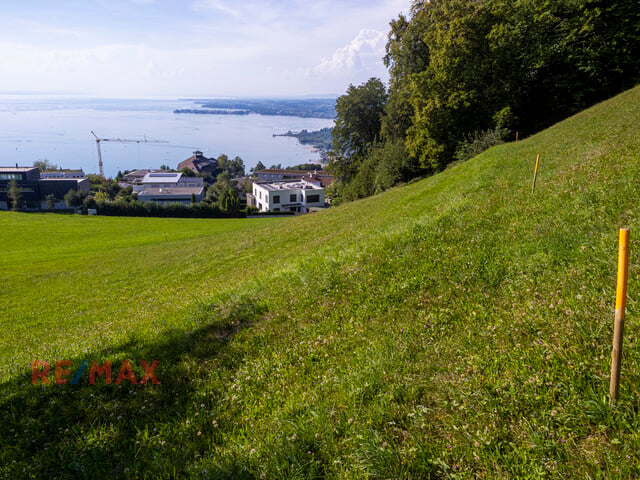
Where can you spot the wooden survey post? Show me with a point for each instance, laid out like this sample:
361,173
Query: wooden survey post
621,303
535,174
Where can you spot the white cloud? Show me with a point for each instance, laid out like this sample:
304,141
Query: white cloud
354,57
215,47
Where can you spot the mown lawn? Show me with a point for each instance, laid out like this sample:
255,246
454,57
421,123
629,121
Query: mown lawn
457,327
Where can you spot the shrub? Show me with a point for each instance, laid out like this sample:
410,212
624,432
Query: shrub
478,142
74,198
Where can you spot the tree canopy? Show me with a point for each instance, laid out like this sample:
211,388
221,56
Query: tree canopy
359,117
45,165
461,70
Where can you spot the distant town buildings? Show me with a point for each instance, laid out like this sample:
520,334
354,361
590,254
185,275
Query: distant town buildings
282,190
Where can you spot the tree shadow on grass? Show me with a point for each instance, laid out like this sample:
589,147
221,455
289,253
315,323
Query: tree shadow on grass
127,430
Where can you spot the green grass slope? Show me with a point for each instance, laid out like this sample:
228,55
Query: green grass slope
457,327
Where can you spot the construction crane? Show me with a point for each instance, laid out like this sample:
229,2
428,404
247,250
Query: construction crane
120,140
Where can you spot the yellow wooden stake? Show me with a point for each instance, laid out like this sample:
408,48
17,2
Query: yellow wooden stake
621,303
516,135
535,174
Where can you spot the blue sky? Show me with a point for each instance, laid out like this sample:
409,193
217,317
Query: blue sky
190,48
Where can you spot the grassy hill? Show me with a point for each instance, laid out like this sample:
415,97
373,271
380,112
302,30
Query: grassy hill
457,327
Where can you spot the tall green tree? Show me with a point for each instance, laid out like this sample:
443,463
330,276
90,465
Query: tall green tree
407,53
359,115
259,166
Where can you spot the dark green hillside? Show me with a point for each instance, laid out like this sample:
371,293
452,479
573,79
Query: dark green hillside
457,327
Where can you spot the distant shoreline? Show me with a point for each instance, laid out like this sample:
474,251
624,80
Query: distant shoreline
211,111
307,108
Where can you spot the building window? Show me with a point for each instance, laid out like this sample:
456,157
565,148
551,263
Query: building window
293,197
10,176
313,198
276,199
276,209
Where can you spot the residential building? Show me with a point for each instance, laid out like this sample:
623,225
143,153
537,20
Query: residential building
59,188
169,187
293,196
62,173
272,175
26,178
183,195
34,189
167,180
198,163
136,176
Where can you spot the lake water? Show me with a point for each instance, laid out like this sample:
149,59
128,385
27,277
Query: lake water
59,130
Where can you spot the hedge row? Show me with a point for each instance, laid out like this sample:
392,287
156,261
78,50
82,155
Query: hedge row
151,209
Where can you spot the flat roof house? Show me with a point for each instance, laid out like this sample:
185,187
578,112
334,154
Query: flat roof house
136,176
169,187
34,189
171,194
166,180
293,196
62,173
59,188
272,175
26,178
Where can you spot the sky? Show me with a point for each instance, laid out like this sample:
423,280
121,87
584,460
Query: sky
193,48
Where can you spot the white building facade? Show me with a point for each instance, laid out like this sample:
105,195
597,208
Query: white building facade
296,196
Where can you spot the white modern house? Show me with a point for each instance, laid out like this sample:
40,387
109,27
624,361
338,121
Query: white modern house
169,187
293,196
